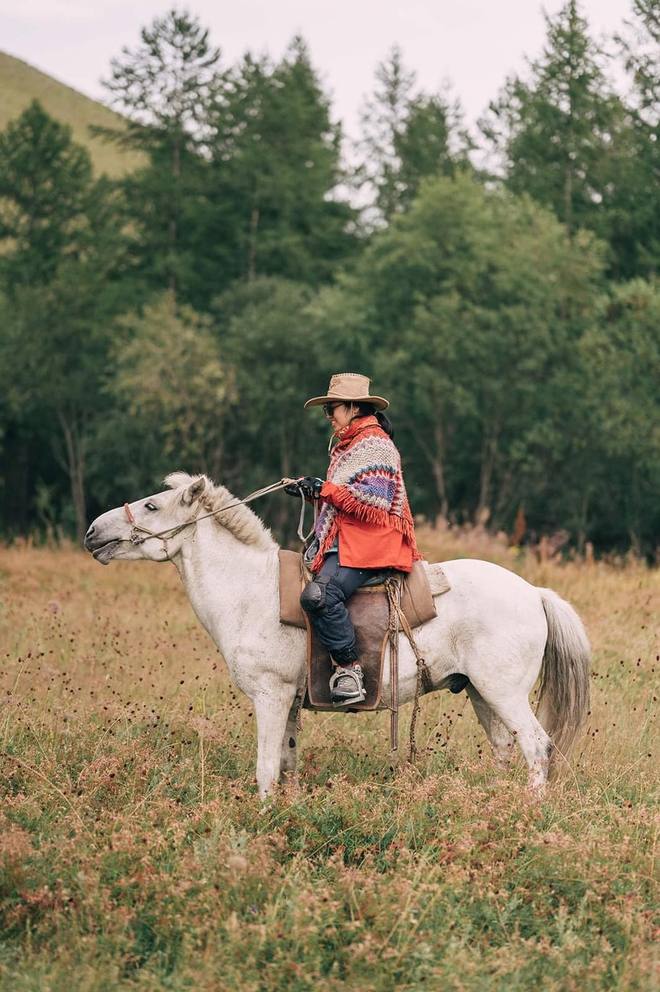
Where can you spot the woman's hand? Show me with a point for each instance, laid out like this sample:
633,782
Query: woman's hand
307,487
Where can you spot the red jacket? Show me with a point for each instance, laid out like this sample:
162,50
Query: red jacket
364,502
368,545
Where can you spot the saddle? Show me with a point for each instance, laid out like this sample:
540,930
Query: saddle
369,610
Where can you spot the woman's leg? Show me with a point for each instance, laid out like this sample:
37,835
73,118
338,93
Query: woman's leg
324,601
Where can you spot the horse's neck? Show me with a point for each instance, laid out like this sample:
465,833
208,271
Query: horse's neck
225,581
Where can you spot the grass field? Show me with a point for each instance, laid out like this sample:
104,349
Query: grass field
21,83
135,854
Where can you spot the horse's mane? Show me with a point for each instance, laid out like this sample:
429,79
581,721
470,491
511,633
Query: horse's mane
239,521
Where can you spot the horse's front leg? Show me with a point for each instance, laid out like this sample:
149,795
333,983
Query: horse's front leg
274,704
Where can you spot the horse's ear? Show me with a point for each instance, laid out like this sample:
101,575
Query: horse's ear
193,492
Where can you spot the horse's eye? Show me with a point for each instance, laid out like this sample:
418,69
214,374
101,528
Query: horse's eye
150,506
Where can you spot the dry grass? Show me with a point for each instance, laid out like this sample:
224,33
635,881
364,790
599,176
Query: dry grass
134,853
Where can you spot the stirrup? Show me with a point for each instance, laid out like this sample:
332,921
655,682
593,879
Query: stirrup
347,686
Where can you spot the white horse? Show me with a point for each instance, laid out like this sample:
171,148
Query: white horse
492,626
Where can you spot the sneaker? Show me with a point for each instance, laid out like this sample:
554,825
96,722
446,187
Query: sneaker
347,686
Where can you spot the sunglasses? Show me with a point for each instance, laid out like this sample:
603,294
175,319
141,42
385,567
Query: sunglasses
329,408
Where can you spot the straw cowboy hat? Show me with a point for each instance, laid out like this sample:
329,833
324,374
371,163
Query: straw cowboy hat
349,387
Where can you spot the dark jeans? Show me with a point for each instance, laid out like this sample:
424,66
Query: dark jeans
333,625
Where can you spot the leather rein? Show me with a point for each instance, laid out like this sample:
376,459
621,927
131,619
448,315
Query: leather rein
137,530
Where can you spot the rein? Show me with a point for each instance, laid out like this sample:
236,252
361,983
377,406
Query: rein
170,532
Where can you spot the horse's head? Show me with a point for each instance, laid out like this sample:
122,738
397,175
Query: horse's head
153,528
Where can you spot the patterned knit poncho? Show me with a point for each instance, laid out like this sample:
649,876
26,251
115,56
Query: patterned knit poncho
367,466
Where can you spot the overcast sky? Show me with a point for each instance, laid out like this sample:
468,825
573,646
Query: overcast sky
474,44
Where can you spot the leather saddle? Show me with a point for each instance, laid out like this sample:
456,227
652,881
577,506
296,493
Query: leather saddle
369,610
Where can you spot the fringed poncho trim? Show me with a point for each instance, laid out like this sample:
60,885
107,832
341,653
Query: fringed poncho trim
365,469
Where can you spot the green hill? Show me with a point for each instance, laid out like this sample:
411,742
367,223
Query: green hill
20,83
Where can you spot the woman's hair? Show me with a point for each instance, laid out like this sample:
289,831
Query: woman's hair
369,410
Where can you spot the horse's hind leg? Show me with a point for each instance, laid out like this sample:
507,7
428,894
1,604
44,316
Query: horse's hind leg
533,741
516,714
499,738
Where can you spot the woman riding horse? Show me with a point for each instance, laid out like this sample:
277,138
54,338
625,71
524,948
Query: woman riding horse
364,525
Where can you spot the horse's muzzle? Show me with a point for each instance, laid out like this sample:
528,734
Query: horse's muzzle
102,549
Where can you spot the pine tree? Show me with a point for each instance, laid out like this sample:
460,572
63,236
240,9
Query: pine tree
45,185
641,47
276,210
558,133
383,123
60,251
166,87
432,143
407,136
638,199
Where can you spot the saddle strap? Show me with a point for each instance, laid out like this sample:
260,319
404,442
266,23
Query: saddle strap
393,586
423,683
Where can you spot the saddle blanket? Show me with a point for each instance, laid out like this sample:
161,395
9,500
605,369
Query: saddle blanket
368,608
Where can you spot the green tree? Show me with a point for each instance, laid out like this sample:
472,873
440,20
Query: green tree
469,309
166,87
383,121
267,331
637,202
276,207
641,48
407,136
55,349
173,386
559,134
45,187
60,264
621,361
431,143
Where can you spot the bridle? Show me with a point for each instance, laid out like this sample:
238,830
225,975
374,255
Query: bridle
137,530
136,537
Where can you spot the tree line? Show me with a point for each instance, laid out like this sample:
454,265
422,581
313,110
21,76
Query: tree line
179,317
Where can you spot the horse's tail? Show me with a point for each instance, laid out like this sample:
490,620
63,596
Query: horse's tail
564,692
